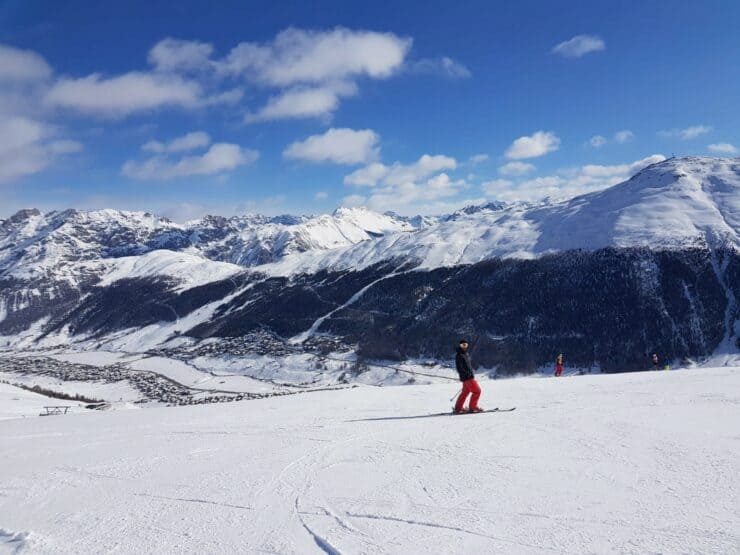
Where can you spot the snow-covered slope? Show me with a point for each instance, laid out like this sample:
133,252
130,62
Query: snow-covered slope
678,203
69,245
674,204
629,463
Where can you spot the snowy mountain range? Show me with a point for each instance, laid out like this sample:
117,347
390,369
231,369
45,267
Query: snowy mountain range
670,233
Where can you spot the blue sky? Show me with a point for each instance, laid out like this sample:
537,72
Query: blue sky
300,107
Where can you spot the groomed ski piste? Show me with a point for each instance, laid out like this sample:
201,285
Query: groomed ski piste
622,463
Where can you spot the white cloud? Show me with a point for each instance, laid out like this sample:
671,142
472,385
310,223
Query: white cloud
303,103
123,95
414,185
516,168
477,159
314,70
399,174
723,148
578,46
218,159
18,65
425,166
620,137
597,141
694,131
538,144
411,194
189,141
180,55
623,136
369,176
444,66
687,133
340,146
569,182
28,147
321,195
494,187
299,56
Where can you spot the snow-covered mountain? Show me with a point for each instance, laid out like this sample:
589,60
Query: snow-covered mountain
678,203
62,245
653,260
675,204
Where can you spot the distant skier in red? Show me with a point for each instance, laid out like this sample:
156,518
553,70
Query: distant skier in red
467,377
558,365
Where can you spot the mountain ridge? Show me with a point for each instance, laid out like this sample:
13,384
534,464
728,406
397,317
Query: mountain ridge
650,264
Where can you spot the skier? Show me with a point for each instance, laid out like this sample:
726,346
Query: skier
655,361
558,365
469,385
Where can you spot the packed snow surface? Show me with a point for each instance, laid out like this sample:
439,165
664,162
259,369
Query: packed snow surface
630,463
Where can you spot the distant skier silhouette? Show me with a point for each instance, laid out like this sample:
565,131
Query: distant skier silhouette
467,377
558,365
656,361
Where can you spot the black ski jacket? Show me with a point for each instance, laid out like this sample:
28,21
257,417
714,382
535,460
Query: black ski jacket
464,366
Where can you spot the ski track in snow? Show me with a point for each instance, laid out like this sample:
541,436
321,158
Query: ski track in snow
13,542
631,463
300,338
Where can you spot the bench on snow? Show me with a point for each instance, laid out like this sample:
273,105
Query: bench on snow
55,409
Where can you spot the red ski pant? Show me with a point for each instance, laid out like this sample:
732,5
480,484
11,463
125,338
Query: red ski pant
469,387
558,369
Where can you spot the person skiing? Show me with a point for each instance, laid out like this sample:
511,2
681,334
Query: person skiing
656,362
558,365
467,377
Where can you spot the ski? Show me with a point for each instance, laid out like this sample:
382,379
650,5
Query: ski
484,411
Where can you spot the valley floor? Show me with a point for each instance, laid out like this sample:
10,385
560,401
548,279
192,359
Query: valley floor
629,463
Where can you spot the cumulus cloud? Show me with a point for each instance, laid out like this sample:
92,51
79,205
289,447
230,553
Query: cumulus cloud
477,159
303,102
533,146
369,176
398,185
18,66
723,148
440,186
306,74
123,95
569,182
494,187
180,55
398,174
578,46
339,146
687,133
189,141
444,66
516,168
620,137
218,159
597,141
313,70
623,136
28,147
299,56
